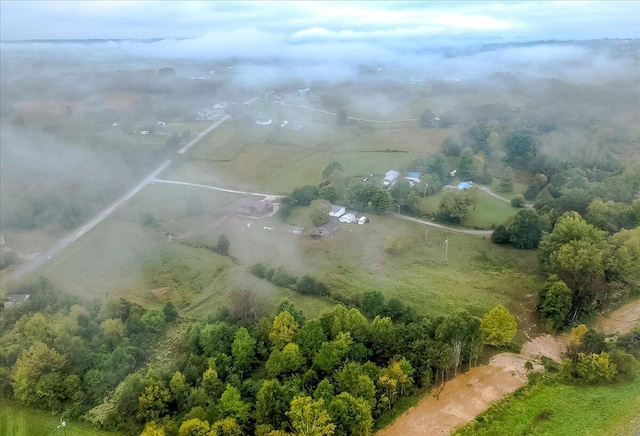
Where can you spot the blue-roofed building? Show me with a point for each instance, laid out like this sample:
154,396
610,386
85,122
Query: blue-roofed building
465,185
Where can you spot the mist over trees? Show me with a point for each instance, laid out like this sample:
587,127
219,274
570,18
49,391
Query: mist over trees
564,146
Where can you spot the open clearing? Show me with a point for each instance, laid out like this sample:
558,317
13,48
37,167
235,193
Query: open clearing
17,420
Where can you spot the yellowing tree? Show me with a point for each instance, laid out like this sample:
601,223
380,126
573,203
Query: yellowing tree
310,418
283,328
34,363
152,429
498,326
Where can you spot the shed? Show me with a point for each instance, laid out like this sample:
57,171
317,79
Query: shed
337,211
254,208
326,229
15,300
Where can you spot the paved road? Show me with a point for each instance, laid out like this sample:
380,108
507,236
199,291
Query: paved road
202,134
59,245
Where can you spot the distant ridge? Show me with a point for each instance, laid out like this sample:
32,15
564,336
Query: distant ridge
88,41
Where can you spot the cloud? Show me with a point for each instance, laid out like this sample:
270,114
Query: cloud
340,20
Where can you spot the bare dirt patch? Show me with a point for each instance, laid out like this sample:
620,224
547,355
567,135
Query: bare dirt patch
619,321
471,393
460,401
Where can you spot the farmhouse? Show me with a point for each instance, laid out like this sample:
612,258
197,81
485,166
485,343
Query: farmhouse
254,208
337,211
15,300
326,229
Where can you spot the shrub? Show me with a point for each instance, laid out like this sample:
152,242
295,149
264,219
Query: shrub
517,201
259,270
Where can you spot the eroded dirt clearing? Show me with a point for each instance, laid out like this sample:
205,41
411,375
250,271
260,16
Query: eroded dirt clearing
621,320
469,394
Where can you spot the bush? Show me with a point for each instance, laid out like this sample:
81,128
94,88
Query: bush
283,278
259,270
501,235
517,201
147,219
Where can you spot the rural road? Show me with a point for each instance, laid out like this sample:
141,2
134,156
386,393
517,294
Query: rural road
440,226
217,188
350,118
486,190
202,134
59,245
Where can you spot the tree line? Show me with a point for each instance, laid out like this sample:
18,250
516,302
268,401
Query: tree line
338,373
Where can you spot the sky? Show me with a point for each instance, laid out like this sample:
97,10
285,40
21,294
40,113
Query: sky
334,37
314,22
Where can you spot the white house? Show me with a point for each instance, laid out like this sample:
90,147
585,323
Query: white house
337,211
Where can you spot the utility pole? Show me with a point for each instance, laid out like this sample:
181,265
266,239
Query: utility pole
446,250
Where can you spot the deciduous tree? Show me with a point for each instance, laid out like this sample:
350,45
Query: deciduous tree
498,326
310,418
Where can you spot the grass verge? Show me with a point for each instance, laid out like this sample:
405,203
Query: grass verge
553,408
18,420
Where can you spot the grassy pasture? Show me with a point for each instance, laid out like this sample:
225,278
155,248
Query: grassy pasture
17,420
288,160
485,212
105,261
478,275
561,409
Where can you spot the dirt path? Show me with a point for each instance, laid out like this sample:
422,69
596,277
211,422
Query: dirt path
621,320
471,393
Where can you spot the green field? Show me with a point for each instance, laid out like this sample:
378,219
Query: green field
149,265
277,159
558,409
486,211
17,420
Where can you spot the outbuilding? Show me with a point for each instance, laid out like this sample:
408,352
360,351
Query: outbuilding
326,229
15,300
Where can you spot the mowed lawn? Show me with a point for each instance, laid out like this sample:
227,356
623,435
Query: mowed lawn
559,410
17,420
485,212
